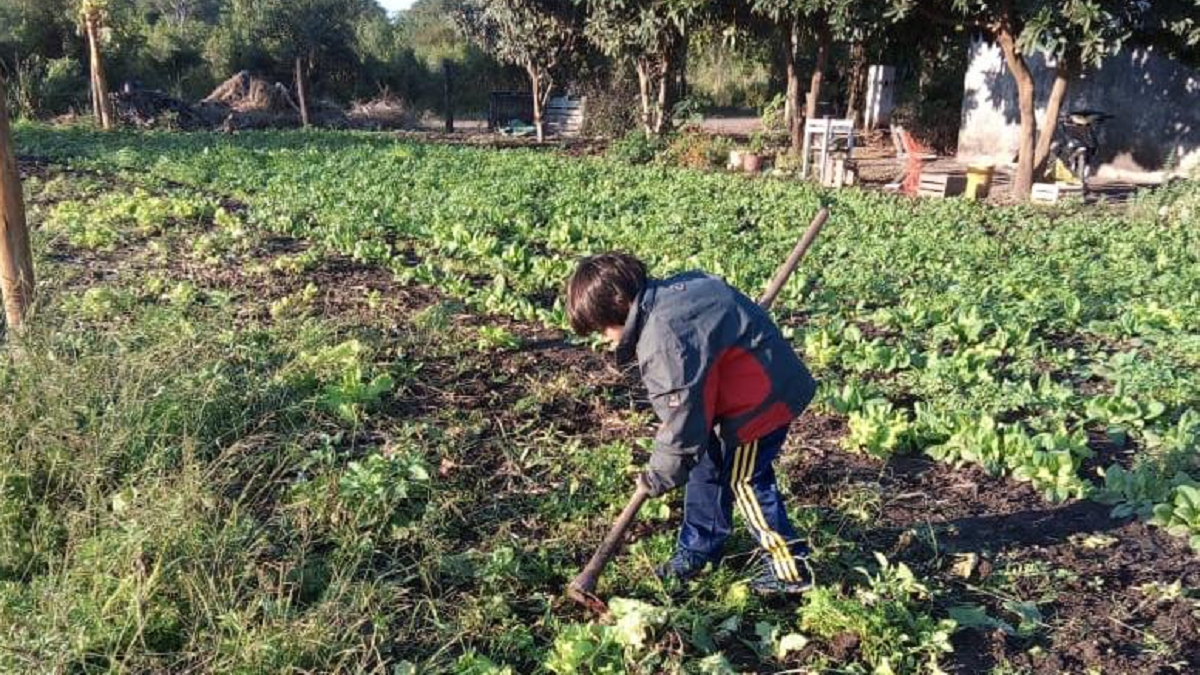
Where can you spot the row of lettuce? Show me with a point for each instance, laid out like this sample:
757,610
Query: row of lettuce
1018,339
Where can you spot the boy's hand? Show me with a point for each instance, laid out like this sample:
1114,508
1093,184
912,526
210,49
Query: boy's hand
644,485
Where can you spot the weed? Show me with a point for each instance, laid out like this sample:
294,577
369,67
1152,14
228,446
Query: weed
493,338
295,305
340,378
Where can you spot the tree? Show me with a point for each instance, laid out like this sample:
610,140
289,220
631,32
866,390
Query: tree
93,14
437,42
653,34
16,259
1076,34
536,35
820,23
304,34
1080,31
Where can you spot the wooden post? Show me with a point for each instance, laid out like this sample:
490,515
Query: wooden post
447,95
16,258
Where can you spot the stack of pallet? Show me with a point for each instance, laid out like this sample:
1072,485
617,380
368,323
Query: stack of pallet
564,115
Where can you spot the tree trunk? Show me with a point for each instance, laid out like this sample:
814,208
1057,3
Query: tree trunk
535,84
681,90
1023,181
795,124
858,81
92,88
643,73
662,105
103,108
1062,80
824,40
301,91
447,99
16,259
89,35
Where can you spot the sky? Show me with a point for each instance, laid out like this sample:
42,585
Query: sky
394,5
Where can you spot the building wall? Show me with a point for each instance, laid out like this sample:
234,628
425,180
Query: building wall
1155,100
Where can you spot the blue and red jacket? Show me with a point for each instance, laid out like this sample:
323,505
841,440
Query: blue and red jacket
712,361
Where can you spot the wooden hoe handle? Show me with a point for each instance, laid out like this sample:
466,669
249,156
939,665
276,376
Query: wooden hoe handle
793,259
582,587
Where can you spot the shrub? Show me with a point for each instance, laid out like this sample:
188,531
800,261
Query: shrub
696,150
772,113
611,106
636,148
47,87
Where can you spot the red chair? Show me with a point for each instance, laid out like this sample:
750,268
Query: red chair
916,155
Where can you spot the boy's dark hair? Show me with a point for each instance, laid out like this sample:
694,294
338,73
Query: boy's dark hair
601,289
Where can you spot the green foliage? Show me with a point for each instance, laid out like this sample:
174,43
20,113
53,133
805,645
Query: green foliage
312,532
878,429
492,338
1136,491
772,113
472,663
945,368
586,649
103,223
636,621
1180,514
373,491
1050,460
689,149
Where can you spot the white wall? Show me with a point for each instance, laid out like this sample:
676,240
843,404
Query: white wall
1155,100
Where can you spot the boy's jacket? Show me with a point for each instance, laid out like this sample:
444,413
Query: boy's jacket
712,361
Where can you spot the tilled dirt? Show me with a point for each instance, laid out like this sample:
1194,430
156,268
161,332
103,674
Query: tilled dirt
1102,585
1112,594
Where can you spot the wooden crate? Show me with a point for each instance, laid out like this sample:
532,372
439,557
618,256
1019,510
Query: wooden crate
940,185
1051,193
840,172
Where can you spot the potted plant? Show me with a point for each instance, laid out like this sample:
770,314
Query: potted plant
752,161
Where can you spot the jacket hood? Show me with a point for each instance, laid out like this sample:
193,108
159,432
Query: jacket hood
634,321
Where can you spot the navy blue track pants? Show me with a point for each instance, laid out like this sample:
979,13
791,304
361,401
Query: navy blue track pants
743,475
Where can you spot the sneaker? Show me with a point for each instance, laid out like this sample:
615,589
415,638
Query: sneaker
768,584
682,566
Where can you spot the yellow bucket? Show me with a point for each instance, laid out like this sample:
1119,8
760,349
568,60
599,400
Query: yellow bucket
979,180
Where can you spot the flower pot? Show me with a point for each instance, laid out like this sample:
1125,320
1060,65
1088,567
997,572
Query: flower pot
751,162
735,160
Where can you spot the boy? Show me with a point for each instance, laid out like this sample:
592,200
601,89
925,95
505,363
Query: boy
725,384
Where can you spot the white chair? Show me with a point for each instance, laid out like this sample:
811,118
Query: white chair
823,135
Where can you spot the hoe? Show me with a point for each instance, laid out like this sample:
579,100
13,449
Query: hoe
582,588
